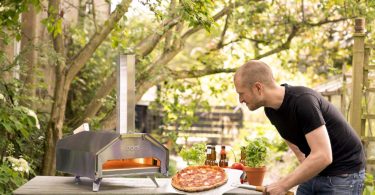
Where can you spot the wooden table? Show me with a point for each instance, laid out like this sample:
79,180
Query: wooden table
53,185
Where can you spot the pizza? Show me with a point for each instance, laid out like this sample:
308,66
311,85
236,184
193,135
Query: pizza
199,178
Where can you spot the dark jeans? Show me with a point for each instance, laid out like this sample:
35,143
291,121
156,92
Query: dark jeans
349,184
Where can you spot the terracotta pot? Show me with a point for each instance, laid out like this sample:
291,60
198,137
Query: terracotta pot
255,175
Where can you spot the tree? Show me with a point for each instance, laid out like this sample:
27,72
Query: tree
66,70
248,26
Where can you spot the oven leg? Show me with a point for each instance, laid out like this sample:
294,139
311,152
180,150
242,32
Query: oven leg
154,180
77,180
96,184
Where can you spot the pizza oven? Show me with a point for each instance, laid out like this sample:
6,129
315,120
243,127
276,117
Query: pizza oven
100,154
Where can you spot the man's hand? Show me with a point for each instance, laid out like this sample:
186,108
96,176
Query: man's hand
275,189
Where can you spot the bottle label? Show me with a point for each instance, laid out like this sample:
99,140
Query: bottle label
208,151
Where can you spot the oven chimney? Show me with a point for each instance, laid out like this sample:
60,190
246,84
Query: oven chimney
126,94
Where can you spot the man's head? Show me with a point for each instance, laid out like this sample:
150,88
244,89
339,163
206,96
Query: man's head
250,80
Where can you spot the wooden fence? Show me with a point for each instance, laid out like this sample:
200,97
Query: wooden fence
220,125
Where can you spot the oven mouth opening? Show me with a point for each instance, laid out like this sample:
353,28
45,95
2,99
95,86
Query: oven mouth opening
131,163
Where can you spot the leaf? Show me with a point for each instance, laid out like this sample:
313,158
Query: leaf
7,127
25,133
194,154
56,29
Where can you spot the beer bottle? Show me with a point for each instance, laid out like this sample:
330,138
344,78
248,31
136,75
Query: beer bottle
213,157
208,156
243,177
223,158
243,155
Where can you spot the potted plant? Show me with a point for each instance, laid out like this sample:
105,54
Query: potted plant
256,152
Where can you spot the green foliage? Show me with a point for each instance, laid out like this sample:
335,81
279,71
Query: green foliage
329,45
179,102
17,120
256,152
195,155
369,185
17,124
198,13
278,145
195,13
10,14
13,173
9,180
170,138
172,168
54,26
54,21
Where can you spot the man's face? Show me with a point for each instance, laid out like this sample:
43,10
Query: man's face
247,94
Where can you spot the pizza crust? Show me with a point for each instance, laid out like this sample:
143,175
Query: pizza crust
199,178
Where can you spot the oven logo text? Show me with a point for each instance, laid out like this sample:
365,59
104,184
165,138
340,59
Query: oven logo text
136,147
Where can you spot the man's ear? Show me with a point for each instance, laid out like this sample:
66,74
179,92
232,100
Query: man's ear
258,88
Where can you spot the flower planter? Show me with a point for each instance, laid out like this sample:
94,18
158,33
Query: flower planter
255,176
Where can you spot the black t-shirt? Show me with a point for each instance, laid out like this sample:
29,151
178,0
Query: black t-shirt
304,110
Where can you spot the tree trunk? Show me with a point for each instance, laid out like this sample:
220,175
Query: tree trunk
9,56
29,29
55,125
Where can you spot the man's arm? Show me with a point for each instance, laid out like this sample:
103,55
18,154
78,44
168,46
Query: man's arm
300,155
318,159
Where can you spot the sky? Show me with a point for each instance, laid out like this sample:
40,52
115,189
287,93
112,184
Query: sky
136,8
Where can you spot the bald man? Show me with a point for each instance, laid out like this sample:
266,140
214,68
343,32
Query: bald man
330,153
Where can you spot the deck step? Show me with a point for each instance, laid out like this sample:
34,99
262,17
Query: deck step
368,116
370,67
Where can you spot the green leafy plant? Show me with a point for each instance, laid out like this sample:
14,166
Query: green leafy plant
10,14
198,13
22,136
13,173
18,125
194,155
369,185
256,152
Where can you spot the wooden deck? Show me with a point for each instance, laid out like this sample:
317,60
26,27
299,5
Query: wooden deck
51,185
